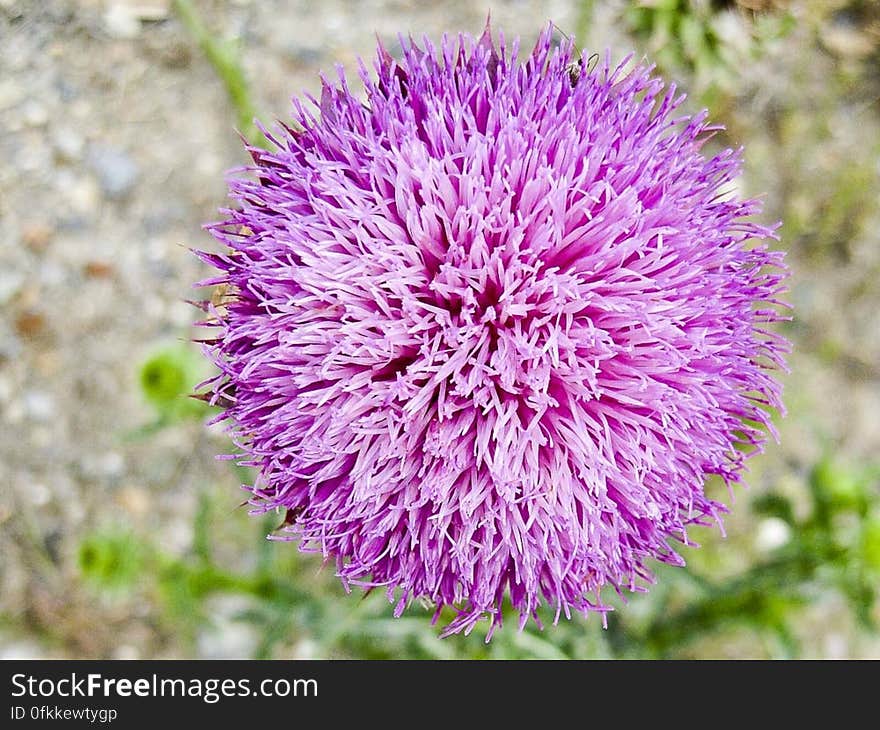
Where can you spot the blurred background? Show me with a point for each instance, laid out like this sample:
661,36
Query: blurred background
122,536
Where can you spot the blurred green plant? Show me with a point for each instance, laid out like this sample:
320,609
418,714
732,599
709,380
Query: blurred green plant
831,547
225,57
710,41
113,560
825,220
289,600
167,379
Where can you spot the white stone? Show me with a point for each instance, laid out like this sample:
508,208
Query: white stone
39,405
772,534
11,282
35,114
39,494
121,22
68,144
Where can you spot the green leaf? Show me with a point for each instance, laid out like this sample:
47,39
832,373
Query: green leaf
168,377
113,560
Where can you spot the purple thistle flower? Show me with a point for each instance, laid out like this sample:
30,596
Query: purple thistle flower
488,331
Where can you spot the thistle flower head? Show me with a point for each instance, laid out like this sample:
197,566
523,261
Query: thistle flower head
489,329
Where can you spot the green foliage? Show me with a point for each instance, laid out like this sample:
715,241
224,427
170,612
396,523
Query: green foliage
680,29
703,40
870,545
290,599
113,559
168,377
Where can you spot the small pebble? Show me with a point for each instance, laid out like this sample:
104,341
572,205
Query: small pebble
134,500
84,196
68,145
20,650
306,649
35,114
772,534
112,464
226,637
120,22
33,156
11,282
98,269
117,173
304,56
11,93
175,55
123,18
126,653
836,646
47,363
150,10
38,405
10,350
14,413
180,313
37,236
30,323
844,37
39,494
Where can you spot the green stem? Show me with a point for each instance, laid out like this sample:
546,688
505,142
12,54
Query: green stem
226,60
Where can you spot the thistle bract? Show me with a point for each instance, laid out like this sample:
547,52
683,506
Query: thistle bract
488,328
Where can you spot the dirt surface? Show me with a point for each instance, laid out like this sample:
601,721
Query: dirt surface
114,137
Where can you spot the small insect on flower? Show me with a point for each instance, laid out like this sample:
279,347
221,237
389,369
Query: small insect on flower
486,332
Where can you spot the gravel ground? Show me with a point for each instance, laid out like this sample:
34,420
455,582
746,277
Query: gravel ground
114,137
